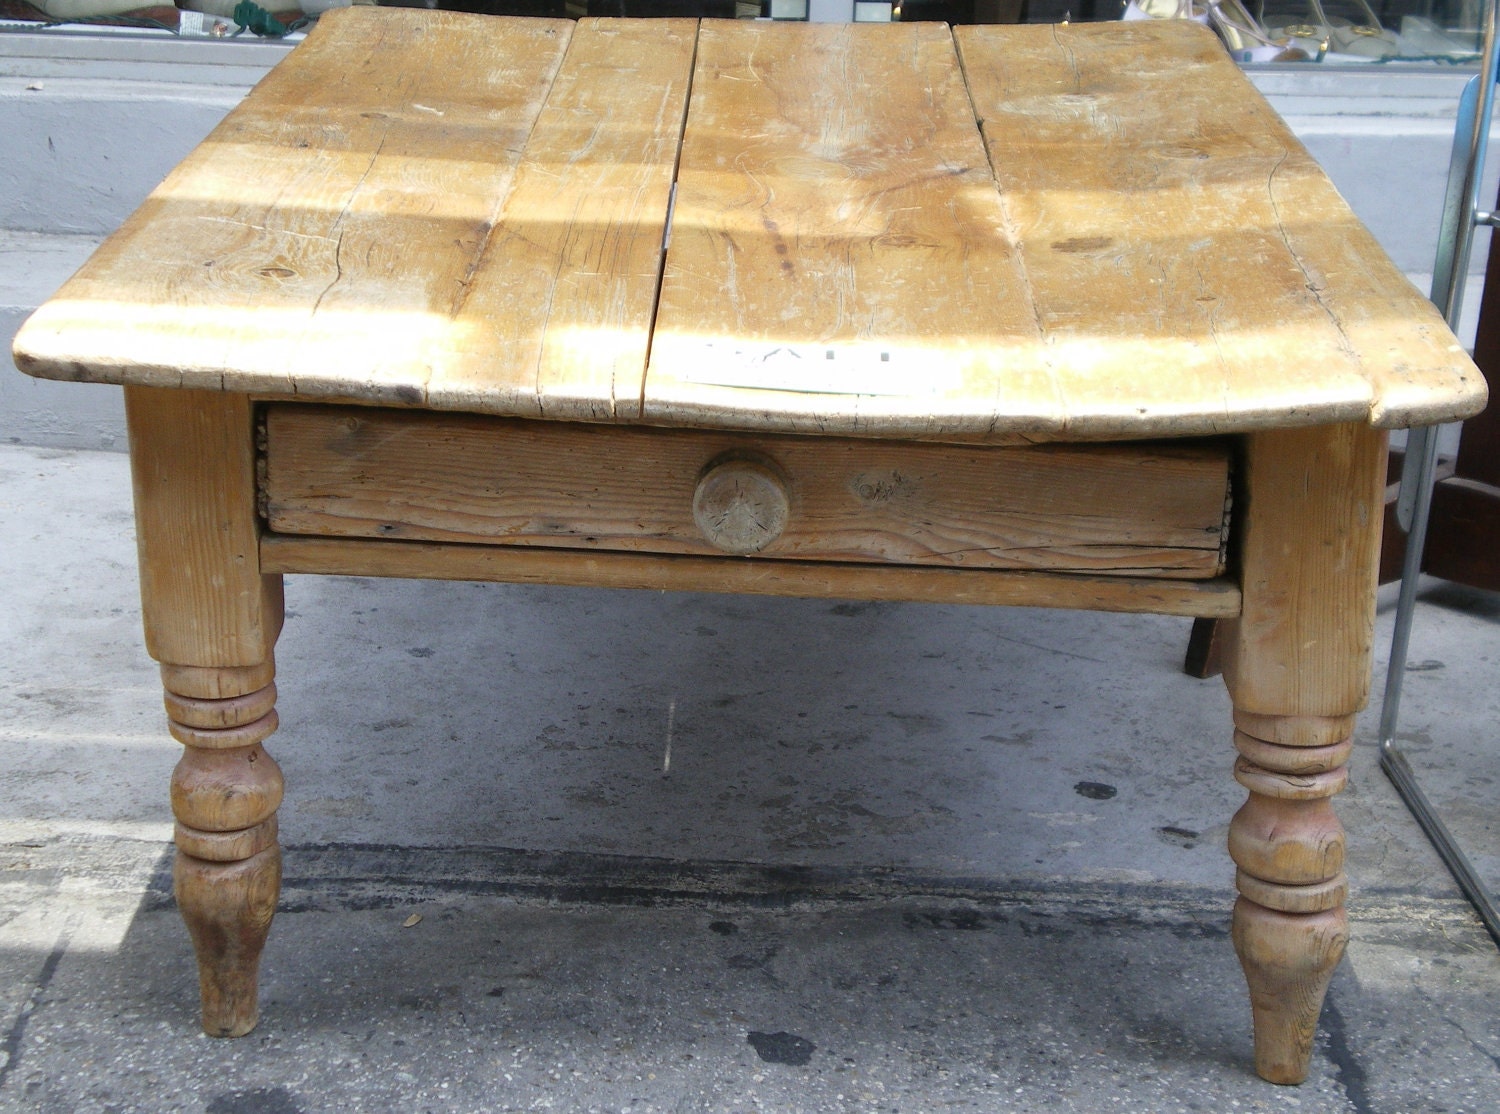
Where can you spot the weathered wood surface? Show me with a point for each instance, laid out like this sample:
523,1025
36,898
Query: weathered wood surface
1219,598
557,312
432,209
228,908
839,258
1297,664
1188,260
1303,645
420,207
741,502
192,466
1153,509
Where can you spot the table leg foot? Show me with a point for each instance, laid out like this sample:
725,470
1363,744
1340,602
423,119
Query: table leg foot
228,909
1289,922
225,792
1288,959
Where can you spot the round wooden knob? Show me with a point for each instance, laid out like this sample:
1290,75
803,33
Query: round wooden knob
741,504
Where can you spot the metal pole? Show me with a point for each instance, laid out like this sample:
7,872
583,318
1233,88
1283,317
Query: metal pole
1455,241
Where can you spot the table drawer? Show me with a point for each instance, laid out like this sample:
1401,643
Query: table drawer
1136,509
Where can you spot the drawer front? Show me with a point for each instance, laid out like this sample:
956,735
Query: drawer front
1137,509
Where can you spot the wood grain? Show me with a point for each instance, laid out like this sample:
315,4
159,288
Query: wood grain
225,792
216,714
418,208
226,847
204,600
318,239
837,230
559,308
1317,897
1289,960
749,575
434,209
1188,261
230,684
1156,509
1297,664
1309,553
741,503
228,907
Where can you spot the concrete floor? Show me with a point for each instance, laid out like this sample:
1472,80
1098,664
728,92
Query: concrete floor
898,857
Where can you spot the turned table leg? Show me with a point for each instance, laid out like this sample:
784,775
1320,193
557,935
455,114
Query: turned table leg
1289,922
212,619
225,791
1297,663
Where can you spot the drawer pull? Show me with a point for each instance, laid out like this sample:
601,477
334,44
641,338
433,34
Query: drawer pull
741,503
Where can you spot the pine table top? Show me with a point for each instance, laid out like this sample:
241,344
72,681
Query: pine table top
989,234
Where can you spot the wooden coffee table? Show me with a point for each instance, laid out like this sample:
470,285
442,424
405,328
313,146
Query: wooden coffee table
1057,316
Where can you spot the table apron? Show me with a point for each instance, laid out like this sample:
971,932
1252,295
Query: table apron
1218,598
1145,510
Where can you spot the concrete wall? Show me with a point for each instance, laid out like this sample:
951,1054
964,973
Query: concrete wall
93,121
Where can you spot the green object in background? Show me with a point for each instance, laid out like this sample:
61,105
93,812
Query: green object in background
258,20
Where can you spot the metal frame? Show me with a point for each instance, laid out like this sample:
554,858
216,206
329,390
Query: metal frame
1461,214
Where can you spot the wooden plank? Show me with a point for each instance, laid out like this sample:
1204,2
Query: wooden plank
1143,510
839,262
317,241
394,215
557,317
520,565
1192,267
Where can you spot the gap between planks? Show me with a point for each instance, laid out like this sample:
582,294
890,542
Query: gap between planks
666,231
